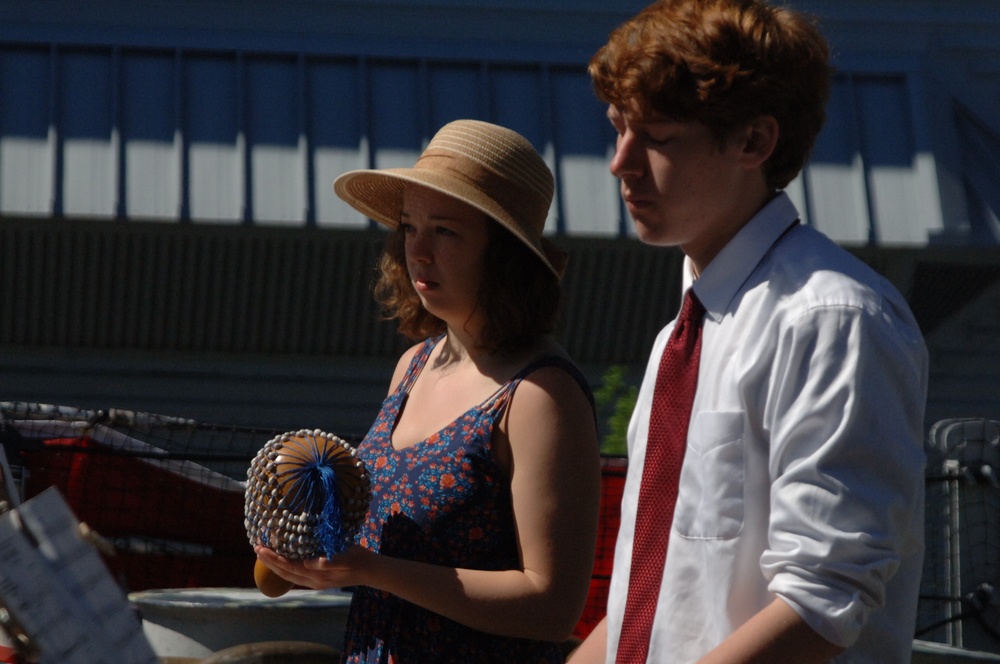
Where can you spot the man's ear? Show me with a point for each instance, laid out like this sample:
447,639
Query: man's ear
759,139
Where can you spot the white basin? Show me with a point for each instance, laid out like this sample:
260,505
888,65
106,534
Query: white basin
196,622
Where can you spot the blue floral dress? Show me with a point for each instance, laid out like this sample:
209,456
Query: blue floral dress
445,502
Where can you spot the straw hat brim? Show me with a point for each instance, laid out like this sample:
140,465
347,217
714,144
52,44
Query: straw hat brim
378,194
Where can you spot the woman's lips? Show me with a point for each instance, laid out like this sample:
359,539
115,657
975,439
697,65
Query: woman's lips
424,285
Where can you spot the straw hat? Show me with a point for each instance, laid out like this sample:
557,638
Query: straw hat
491,168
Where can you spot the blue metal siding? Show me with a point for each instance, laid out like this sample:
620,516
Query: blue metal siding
88,124
151,141
225,136
214,150
336,126
248,118
26,146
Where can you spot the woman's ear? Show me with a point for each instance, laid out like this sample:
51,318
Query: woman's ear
760,138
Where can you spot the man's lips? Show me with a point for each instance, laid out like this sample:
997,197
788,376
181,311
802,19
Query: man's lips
633,200
636,202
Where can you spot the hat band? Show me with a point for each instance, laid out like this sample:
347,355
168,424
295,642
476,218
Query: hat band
513,202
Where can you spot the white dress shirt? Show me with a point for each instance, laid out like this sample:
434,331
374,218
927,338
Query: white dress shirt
804,472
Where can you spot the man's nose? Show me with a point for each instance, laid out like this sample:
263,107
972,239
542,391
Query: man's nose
626,160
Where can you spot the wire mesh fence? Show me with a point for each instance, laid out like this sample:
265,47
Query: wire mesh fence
960,587
164,493
166,496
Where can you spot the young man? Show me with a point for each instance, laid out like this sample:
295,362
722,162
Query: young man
796,531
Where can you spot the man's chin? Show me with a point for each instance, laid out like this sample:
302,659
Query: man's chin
652,235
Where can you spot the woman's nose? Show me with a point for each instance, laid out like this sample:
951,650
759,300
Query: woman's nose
418,246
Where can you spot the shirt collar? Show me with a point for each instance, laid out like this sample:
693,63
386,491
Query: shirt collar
725,275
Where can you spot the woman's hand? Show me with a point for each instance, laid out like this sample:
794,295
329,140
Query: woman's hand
345,569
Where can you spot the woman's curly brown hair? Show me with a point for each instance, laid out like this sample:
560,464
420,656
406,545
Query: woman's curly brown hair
521,297
723,63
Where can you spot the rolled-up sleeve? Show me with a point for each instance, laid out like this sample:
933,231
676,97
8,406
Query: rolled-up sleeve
846,462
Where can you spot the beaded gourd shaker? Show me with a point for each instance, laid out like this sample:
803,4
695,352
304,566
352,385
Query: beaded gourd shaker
306,493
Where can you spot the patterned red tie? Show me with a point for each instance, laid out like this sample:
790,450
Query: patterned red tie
676,380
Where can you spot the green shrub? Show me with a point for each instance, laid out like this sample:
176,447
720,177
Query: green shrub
615,401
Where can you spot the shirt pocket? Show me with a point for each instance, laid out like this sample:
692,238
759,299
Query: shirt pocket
710,497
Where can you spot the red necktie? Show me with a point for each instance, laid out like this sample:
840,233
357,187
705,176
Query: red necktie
676,380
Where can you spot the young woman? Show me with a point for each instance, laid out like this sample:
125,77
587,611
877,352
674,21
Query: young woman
484,461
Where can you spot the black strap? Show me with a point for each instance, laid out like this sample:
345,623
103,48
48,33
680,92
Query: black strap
567,366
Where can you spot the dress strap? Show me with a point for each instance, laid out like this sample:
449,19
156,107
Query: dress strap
496,403
417,364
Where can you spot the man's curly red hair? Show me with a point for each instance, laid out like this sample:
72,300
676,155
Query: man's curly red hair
723,63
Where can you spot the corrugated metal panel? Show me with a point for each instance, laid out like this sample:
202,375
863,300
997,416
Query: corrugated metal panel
618,295
185,288
965,342
197,319
192,288
334,394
